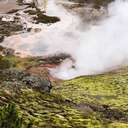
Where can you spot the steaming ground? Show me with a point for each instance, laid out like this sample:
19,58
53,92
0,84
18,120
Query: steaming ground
95,50
52,39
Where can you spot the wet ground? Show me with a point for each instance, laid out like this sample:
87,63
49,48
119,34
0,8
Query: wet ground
7,5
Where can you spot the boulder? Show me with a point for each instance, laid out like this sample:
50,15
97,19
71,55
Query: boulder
38,83
8,52
27,79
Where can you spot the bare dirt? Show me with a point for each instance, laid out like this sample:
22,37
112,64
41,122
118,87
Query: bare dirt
7,5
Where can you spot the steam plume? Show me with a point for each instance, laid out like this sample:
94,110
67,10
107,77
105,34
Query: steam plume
97,49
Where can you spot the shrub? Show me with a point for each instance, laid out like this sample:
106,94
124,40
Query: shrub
9,117
4,63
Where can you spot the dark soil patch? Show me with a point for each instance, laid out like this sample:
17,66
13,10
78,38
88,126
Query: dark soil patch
8,28
106,112
12,11
55,59
1,38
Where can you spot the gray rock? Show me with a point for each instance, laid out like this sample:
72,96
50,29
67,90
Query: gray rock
13,73
8,51
35,82
1,38
38,83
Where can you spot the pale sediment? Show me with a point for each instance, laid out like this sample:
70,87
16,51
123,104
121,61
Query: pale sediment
7,5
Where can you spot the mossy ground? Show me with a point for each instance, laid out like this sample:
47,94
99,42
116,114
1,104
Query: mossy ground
106,94
86,102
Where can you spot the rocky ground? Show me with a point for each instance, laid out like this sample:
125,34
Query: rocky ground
20,18
31,98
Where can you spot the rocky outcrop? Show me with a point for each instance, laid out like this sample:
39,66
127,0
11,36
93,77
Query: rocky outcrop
86,11
8,51
1,38
24,78
90,14
95,3
8,27
37,83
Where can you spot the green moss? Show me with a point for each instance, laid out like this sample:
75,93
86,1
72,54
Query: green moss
103,89
15,61
50,111
105,94
118,125
9,117
4,63
45,110
86,102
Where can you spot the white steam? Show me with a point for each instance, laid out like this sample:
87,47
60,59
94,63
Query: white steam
100,48
58,37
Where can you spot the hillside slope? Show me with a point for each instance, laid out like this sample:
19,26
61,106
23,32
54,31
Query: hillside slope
87,102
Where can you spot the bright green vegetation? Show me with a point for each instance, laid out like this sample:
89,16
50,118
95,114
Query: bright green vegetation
106,95
9,117
46,111
86,102
20,63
